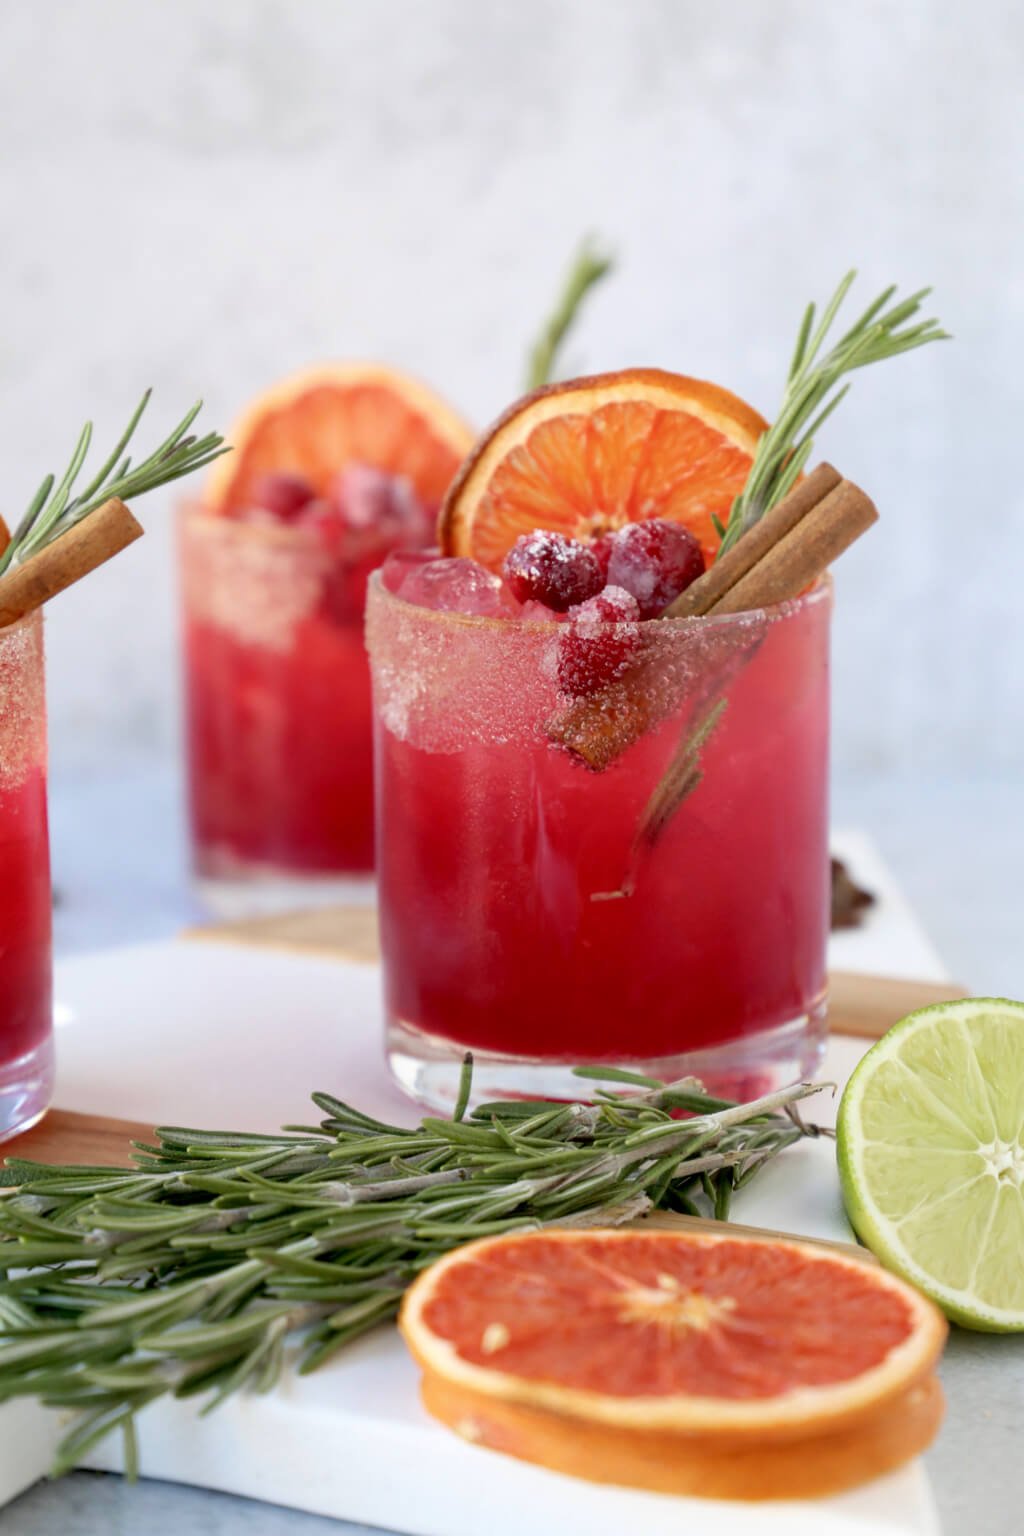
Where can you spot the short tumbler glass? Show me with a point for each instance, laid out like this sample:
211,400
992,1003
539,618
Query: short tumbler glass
637,878
26,987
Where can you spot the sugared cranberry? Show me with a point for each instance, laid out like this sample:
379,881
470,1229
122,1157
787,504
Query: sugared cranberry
602,551
282,494
457,585
602,638
551,569
655,561
371,501
322,517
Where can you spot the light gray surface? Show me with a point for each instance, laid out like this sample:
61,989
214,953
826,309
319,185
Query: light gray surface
958,850
95,1504
207,195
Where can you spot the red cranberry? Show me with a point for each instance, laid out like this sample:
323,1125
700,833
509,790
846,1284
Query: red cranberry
551,569
602,551
322,517
602,638
371,501
655,561
282,494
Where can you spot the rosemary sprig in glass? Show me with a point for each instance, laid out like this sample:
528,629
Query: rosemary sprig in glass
188,1273
884,330
53,509
589,267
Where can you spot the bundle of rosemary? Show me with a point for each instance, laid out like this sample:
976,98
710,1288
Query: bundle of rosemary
187,1274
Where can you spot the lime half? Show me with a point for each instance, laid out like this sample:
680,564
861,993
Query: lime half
931,1157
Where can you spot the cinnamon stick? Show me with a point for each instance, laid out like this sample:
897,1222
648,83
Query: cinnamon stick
804,553
702,595
791,547
97,538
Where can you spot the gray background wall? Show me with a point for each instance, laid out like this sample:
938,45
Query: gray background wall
202,196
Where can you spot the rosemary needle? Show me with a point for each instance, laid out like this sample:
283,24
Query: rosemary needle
885,329
589,266
187,1273
53,510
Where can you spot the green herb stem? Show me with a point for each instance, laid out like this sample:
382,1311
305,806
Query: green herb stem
587,270
53,510
885,329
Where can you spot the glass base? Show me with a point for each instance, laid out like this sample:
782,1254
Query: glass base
26,1087
267,895
428,1067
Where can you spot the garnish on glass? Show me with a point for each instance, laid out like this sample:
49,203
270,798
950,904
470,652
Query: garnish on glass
782,533
65,533
882,331
589,266
186,1274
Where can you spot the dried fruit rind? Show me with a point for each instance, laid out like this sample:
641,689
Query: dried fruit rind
697,1466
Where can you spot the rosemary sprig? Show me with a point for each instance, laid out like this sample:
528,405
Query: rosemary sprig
587,270
885,329
53,509
187,1274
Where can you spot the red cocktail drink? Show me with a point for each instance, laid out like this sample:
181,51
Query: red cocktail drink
26,1010
277,699
332,470
666,909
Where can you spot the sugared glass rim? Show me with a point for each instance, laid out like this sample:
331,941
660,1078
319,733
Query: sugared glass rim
775,613
293,535
27,621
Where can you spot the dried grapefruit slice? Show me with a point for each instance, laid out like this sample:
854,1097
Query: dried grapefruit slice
318,421
750,1339
700,1466
590,455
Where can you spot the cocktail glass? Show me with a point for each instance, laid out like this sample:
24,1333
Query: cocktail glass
26,989
278,714
665,910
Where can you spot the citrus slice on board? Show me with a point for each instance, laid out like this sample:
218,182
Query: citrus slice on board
931,1157
699,1466
739,1343
591,455
318,421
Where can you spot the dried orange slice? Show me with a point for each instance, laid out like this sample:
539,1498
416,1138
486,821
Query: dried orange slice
590,455
669,1339
318,421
